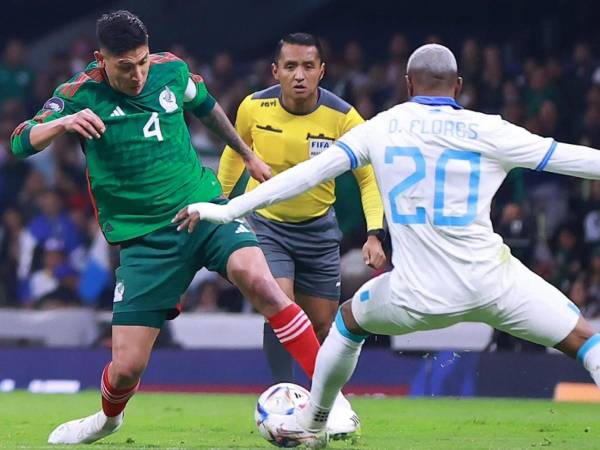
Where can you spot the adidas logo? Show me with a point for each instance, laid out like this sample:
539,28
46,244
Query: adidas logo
117,112
242,229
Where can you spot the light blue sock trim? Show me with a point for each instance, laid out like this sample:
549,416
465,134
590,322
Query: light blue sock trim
586,347
341,326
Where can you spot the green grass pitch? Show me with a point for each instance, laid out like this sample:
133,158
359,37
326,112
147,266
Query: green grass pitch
197,421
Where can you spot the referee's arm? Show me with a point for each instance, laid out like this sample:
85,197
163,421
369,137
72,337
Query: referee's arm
370,197
231,165
369,192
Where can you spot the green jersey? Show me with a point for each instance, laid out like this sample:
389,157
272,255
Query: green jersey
143,169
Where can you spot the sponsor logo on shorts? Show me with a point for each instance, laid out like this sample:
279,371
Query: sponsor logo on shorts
119,292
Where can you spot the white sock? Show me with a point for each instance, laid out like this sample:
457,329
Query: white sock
335,364
589,354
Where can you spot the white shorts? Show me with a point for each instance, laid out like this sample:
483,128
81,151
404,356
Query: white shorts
531,309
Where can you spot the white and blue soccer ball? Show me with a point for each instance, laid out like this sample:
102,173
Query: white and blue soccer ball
278,400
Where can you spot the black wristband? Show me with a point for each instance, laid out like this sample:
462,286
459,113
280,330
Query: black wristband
379,233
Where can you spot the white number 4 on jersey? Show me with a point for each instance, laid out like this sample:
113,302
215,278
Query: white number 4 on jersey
152,127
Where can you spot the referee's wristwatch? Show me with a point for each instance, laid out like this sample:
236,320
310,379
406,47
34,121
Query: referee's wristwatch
379,233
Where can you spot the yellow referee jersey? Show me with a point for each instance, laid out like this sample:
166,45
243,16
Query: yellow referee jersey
283,139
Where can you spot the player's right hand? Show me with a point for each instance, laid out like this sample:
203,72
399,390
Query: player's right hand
85,123
257,168
189,216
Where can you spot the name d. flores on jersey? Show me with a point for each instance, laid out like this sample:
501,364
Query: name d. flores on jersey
439,127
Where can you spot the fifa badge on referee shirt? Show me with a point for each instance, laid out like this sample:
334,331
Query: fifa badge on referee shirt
316,144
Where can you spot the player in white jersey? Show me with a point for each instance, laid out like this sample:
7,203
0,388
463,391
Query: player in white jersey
438,167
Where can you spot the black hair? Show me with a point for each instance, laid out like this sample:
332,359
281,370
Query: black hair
121,31
299,39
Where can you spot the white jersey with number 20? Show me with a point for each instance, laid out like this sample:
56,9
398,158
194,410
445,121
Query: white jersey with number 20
438,167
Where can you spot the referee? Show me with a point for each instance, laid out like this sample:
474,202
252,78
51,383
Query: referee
286,124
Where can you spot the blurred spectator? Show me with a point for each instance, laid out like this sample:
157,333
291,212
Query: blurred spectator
35,185
44,280
470,62
40,92
53,221
591,215
17,247
592,305
81,49
578,293
65,293
518,232
490,99
13,173
548,120
96,270
539,90
260,76
568,256
355,80
398,53
15,77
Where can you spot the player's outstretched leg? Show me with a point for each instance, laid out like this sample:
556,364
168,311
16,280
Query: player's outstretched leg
583,344
98,425
120,380
248,270
335,364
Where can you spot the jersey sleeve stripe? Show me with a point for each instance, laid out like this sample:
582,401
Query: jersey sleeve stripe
20,129
547,157
350,153
69,89
43,116
160,58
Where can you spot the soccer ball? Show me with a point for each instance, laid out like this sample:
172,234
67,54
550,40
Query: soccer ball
280,399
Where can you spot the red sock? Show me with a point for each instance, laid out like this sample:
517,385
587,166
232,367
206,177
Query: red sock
114,400
294,330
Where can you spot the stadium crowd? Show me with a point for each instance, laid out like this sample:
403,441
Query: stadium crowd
52,252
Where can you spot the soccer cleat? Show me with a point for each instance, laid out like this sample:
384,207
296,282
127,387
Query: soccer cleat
289,433
86,430
343,423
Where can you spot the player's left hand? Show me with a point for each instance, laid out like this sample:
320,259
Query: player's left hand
257,168
373,253
189,216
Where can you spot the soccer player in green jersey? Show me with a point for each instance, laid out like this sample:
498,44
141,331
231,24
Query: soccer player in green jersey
127,107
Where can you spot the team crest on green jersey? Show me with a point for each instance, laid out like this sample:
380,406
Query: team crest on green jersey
167,100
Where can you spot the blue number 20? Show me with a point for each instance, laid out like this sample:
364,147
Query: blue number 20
440,180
